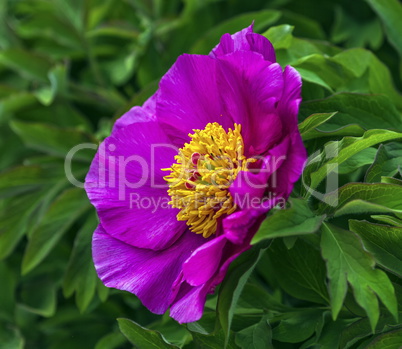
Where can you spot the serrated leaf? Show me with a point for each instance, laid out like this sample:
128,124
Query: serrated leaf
388,162
142,337
356,198
61,215
348,262
296,220
233,285
383,242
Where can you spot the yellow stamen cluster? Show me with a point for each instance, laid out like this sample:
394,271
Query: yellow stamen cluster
203,172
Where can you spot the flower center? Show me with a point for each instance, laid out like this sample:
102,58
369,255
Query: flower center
204,170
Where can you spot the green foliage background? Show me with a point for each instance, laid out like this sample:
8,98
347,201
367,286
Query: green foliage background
323,273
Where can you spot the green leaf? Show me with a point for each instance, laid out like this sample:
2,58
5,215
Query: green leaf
14,221
348,262
349,130
297,326
262,20
141,337
54,140
296,220
48,25
390,13
80,275
16,102
313,121
26,63
214,341
361,329
391,180
24,179
21,211
10,337
111,341
361,159
233,285
390,340
356,198
57,79
339,152
299,271
61,215
388,219
368,111
322,71
7,291
39,290
280,36
258,336
328,332
383,242
388,162
356,33
256,298
370,75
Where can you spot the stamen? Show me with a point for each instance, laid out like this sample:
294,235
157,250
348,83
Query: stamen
200,179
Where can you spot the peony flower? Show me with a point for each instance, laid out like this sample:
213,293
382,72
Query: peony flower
182,183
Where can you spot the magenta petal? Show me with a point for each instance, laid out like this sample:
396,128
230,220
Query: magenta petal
148,274
250,89
292,167
288,106
245,40
250,186
189,97
125,184
204,262
138,114
190,302
261,44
